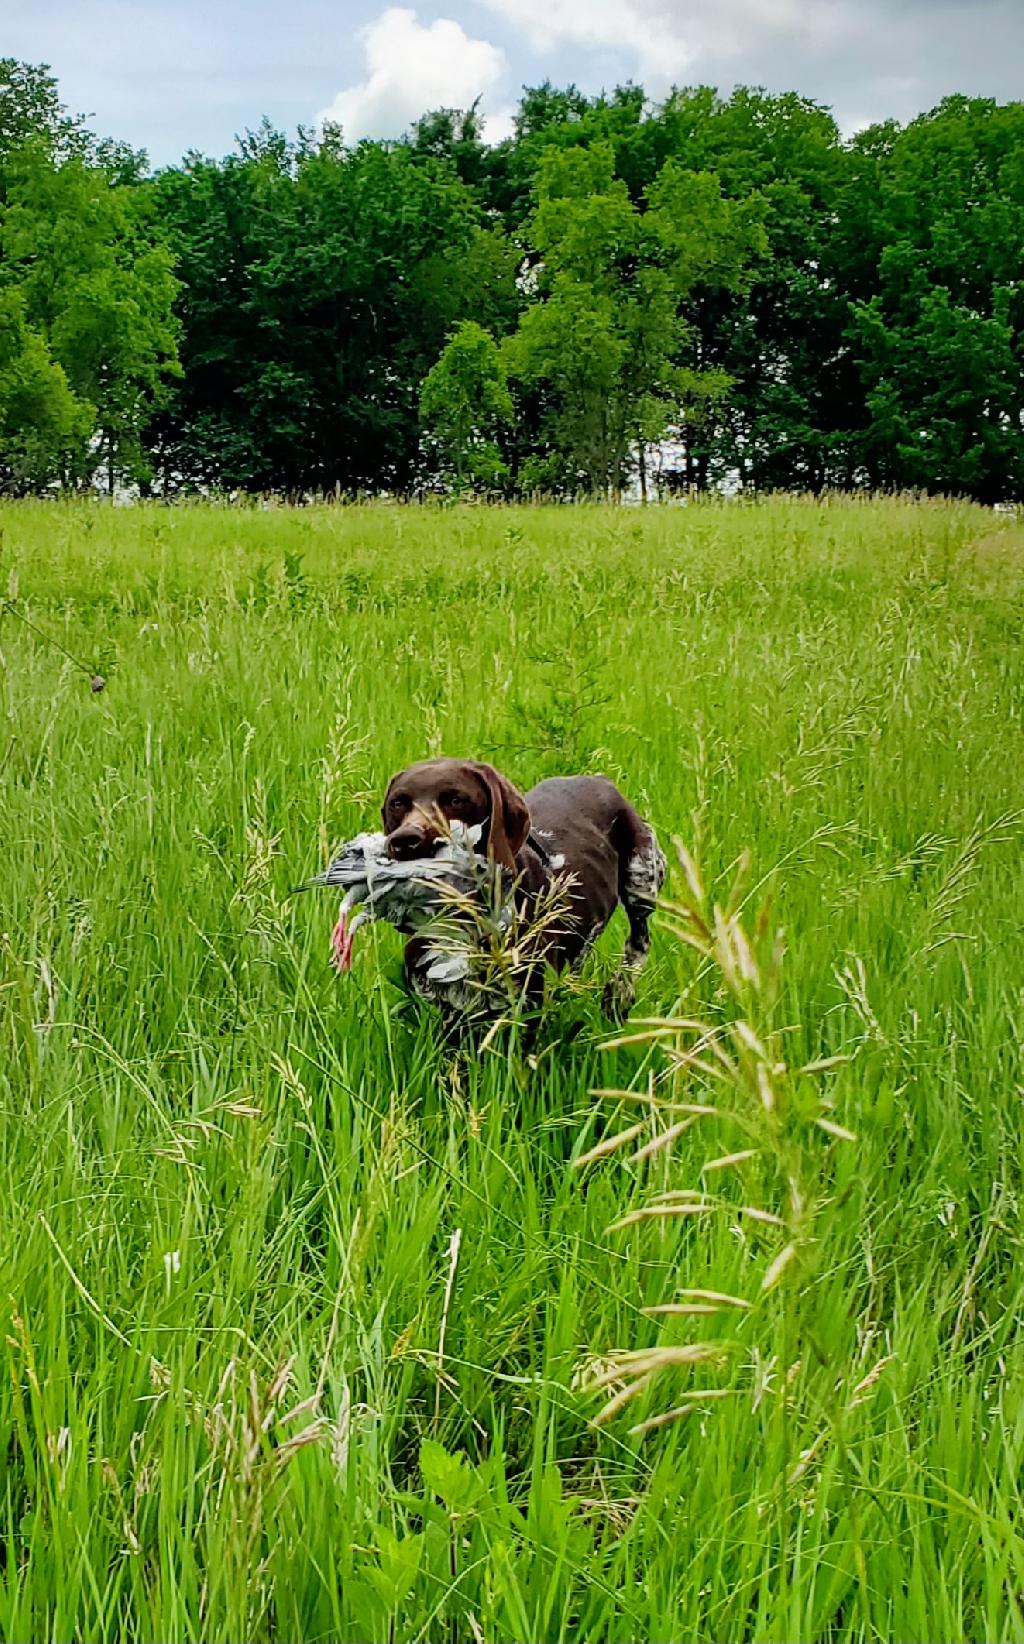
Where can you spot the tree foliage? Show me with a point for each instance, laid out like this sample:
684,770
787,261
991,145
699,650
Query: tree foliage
607,337
936,317
466,405
42,424
86,296
320,285
722,281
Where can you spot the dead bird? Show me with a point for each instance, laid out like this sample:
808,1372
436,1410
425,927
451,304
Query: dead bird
418,897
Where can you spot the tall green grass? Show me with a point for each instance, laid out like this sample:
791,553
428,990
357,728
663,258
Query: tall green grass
304,1315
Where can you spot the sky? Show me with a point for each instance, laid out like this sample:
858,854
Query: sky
174,75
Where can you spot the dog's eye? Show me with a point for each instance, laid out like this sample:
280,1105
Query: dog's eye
399,802
451,801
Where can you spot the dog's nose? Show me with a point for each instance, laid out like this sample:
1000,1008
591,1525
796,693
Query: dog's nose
406,844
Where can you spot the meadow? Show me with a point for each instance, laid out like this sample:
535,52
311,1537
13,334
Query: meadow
309,1319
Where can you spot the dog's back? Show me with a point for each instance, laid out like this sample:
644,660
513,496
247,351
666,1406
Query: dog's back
588,829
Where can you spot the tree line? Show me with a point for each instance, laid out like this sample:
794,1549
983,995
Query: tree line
700,292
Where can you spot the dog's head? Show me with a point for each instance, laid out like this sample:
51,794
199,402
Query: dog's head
423,799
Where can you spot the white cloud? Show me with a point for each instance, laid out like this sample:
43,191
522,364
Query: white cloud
648,33
664,41
411,68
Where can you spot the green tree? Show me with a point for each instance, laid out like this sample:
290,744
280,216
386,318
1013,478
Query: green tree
929,238
320,284
82,253
458,138
42,424
31,109
564,118
31,112
606,342
86,292
780,336
465,405
790,308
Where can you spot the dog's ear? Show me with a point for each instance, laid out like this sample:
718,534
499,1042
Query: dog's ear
510,818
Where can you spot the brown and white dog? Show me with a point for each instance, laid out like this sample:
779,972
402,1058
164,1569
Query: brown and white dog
577,826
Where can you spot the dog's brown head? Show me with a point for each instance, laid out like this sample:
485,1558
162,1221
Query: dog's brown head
424,798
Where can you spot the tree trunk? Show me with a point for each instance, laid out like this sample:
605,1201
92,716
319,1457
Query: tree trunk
642,466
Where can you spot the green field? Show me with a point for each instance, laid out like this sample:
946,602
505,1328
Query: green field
304,1314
